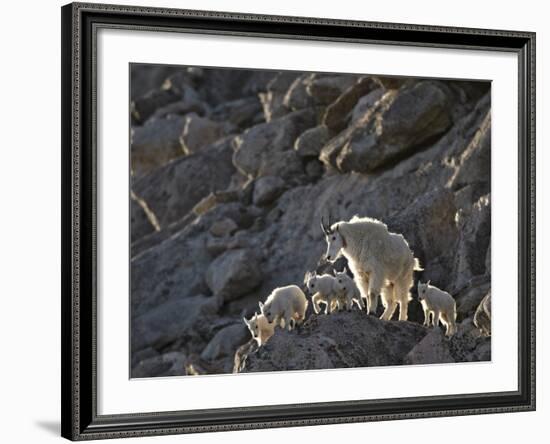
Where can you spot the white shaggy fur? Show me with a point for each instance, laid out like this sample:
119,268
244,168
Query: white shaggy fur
347,290
285,304
324,290
382,262
440,304
260,328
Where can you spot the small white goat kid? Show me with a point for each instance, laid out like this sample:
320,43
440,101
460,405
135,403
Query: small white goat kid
324,290
381,262
285,304
440,304
260,328
348,291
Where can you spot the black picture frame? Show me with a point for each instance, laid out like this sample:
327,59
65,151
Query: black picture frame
78,334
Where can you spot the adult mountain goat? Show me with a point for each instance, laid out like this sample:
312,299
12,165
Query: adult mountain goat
382,263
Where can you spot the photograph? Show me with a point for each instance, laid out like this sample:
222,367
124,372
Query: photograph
291,220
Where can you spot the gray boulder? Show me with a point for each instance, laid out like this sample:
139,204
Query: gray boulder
482,317
267,189
337,114
140,221
233,274
181,320
474,226
272,99
433,349
326,89
172,190
365,103
155,144
223,227
199,132
340,340
311,141
167,364
267,149
241,113
225,342
401,123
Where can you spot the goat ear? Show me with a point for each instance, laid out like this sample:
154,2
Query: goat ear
245,320
428,283
334,271
261,304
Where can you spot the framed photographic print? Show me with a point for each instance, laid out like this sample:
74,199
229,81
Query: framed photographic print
279,221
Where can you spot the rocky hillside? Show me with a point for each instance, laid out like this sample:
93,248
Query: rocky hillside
231,173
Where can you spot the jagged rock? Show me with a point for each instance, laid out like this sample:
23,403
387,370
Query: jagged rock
223,227
155,144
474,169
225,342
267,149
391,82
143,107
178,320
344,339
240,113
433,349
467,345
220,86
145,77
402,121
430,190
429,226
311,141
365,103
233,274
272,100
168,364
297,97
267,189
172,190
314,169
474,225
326,89
337,114
140,221
179,86
199,132
468,299
181,108
482,317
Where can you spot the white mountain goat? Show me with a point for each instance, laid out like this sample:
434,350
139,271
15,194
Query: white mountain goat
323,289
260,328
440,304
382,263
287,304
347,290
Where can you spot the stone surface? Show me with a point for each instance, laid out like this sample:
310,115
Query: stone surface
223,227
225,343
233,274
267,148
155,144
172,190
345,339
211,235
311,141
267,189
199,132
433,349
